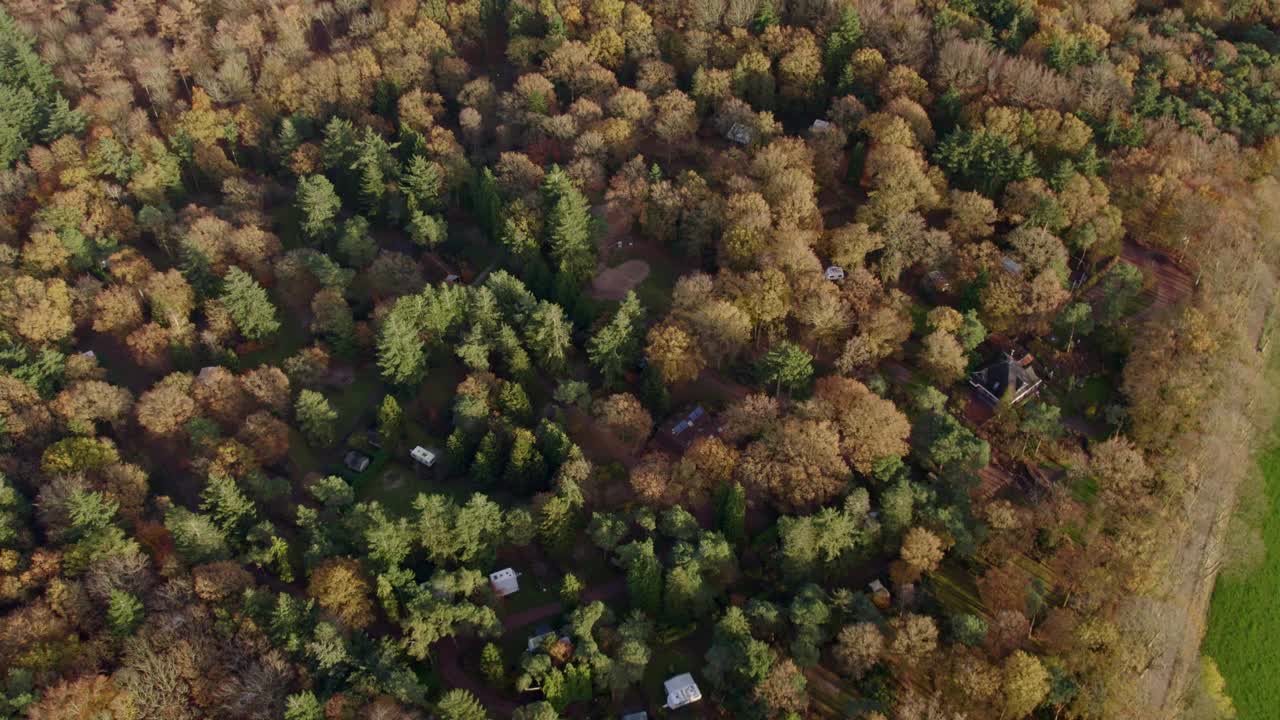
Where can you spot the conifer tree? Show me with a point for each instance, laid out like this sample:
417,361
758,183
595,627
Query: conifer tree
644,580
230,508
731,511
526,467
401,354
372,185
303,706
247,303
569,230
616,346
339,148
390,422
318,204
487,462
427,230
558,521
124,613
316,417
491,665
549,336
843,41
420,183
288,138
460,704
766,17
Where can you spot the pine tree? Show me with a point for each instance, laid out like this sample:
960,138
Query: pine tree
420,183
427,230
390,422
63,120
288,138
318,203
558,522
247,303
316,417
787,365
372,185
196,538
487,462
843,41
644,581
491,665
569,229
526,468
570,590
124,613
460,704
685,594
549,335
229,507
731,511
401,354
486,203
338,150
615,347
303,706
765,18
458,449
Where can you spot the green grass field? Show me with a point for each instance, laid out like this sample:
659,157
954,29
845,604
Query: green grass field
1244,626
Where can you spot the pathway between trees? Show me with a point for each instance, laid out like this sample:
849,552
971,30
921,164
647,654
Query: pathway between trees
450,651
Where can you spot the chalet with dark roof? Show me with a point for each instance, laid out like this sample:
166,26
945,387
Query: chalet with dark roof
1007,380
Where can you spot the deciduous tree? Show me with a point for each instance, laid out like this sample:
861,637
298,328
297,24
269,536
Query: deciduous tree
341,588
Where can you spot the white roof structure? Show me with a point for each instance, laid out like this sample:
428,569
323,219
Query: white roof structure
423,455
876,587
820,124
835,273
535,641
504,582
681,691
739,133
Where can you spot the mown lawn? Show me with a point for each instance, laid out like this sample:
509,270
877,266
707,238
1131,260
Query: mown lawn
1244,625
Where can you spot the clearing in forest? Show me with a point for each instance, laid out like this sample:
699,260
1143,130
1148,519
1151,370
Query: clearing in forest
614,283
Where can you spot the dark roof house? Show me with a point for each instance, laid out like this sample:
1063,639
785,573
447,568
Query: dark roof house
1007,379
356,461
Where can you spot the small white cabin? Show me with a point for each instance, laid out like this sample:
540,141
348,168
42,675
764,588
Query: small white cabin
835,273
504,582
740,134
423,455
681,691
535,641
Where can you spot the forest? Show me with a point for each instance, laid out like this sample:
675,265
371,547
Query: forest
540,359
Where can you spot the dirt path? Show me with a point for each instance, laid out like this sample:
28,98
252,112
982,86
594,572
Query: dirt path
1175,619
449,652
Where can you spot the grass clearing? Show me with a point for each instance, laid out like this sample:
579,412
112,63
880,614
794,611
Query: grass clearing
1244,628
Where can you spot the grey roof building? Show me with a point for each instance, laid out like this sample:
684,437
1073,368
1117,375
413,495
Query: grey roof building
1007,379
